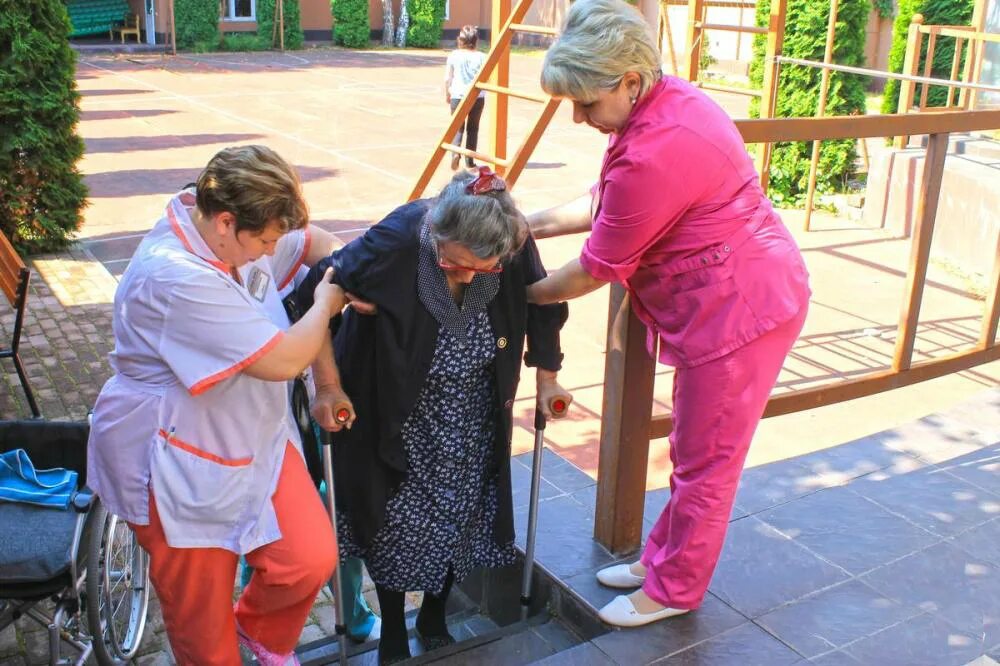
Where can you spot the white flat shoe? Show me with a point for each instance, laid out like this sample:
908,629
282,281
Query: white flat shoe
621,613
619,576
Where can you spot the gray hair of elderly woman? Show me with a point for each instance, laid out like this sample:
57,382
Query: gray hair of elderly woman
488,225
600,42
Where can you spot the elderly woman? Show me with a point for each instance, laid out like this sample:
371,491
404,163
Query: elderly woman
423,476
679,218
192,440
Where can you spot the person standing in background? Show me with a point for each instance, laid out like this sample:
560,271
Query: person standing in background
460,71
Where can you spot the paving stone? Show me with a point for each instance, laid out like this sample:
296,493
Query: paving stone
761,569
982,541
585,654
643,645
746,644
834,618
8,642
926,640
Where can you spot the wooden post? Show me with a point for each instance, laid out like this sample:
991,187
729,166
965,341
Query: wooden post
991,317
663,29
978,24
928,64
769,92
824,89
920,250
173,30
910,63
497,105
280,4
955,62
625,417
695,34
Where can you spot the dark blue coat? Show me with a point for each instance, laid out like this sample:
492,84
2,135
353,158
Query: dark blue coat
384,360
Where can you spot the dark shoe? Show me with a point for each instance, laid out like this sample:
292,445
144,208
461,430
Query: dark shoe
433,642
392,657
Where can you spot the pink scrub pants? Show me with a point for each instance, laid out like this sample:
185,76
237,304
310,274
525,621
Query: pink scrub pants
717,406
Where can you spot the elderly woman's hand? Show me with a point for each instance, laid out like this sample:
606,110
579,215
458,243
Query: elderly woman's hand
332,409
553,399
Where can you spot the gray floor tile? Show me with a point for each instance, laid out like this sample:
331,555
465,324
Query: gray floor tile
949,582
982,541
833,618
643,645
837,658
520,480
925,640
586,586
561,473
981,468
840,464
933,499
848,529
771,485
934,438
565,544
585,654
514,650
761,569
982,412
746,644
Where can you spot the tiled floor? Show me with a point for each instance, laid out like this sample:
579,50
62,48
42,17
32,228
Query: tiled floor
882,551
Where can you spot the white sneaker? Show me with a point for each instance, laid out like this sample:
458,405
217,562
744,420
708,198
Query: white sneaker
621,613
619,576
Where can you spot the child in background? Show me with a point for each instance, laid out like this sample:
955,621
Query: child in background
461,70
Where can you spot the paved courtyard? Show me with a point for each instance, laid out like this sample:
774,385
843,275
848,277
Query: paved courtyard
359,126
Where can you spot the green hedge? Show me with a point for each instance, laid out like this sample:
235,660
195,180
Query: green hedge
426,19
798,92
41,191
197,24
935,12
350,23
294,36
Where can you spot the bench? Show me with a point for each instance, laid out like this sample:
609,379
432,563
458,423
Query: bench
130,27
91,17
14,276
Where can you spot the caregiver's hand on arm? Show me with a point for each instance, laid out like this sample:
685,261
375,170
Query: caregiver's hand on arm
569,282
300,344
570,218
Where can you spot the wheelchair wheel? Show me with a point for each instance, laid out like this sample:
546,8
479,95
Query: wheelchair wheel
117,588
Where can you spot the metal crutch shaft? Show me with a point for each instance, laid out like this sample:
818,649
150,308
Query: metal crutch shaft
558,405
339,621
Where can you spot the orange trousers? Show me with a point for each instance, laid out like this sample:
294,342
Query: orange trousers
195,585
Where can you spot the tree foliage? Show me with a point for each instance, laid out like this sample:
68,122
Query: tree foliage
799,88
42,193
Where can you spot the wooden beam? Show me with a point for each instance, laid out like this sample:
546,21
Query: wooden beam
694,37
769,90
625,416
497,106
991,317
856,127
824,89
910,62
920,249
523,153
852,389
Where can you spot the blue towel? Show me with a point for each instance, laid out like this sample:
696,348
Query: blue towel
21,482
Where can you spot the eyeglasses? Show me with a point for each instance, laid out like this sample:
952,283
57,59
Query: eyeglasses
487,181
445,266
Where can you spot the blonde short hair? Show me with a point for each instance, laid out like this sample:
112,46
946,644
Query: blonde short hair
600,42
256,186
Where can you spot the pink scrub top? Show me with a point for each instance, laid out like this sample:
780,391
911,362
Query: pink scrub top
681,220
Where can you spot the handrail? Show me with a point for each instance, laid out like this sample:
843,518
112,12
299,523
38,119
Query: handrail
879,74
773,130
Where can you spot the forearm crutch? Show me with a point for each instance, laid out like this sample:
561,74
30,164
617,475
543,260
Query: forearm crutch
339,622
557,406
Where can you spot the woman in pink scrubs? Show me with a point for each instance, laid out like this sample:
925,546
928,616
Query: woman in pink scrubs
679,218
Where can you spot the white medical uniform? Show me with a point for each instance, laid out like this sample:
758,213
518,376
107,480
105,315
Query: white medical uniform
178,418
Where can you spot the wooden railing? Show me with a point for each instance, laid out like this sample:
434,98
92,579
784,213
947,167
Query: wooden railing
627,423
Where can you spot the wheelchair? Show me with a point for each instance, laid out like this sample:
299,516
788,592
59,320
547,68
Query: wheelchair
83,563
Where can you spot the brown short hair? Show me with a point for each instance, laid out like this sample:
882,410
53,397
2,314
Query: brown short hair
256,186
468,37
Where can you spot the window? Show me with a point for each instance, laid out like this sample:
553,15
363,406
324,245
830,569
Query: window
447,10
238,10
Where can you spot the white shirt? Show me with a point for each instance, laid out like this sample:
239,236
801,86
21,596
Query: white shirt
465,65
178,416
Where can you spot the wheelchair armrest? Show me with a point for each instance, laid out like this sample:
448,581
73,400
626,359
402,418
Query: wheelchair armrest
82,500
